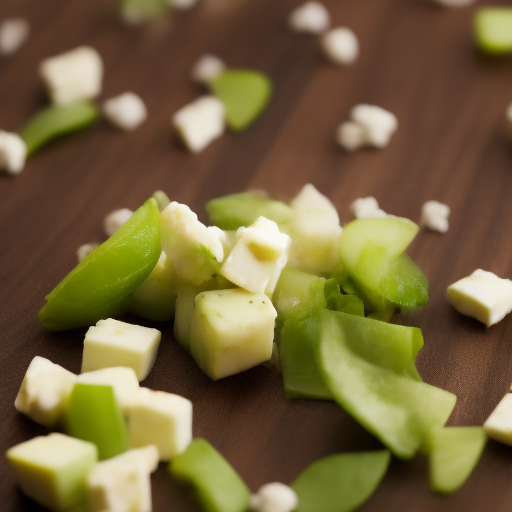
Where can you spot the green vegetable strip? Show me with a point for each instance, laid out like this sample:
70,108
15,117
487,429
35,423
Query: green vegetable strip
56,120
493,30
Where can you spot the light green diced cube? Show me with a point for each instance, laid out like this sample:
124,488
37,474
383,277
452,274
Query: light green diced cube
493,29
52,470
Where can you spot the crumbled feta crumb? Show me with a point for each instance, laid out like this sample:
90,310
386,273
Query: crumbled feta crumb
113,221
378,124
498,425
126,111
311,17
366,208
182,5
85,250
207,68
350,136
434,216
200,122
13,152
13,34
73,75
274,497
341,46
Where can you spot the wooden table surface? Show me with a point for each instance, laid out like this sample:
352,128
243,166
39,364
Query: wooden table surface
416,60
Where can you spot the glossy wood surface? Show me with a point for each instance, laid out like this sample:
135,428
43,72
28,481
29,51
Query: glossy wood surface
418,61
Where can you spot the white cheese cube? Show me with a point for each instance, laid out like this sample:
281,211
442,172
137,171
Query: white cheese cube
123,380
274,497
73,75
122,483
126,111
85,250
350,136
312,17
13,34
259,255
207,68
114,220
341,46
482,295
378,124
13,153
434,216
366,208
498,425
44,391
161,419
183,5
200,123
112,343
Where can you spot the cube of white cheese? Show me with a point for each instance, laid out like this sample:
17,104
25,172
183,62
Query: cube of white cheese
85,250
13,153
126,111
434,216
44,391
378,124
182,5
366,208
13,34
312,17
161,419
114,220
341,46
123,380
112,343
274,497
122,483
350,136
73,75
259,255
498,425
200,123
207,68
482,295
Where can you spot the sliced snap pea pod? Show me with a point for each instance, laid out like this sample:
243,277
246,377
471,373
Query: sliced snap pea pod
56,120
162,199
340,483
217,485
141,11
493,30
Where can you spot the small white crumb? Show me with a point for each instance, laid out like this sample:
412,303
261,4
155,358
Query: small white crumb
274,497
350,136
200,122
377,123
126,111
434,216
85,250
13,34
114,220
207,68
13,152
366,208
341,46
311,17
498,425
183,5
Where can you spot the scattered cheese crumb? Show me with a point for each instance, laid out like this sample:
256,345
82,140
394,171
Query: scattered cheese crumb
73,75
113,221
482,295
126,111
200,122
85,250
13,34
350,136
366,208
311,17
434,216
498,425
341,45
378,124
207,68
274,497
13,152
183,5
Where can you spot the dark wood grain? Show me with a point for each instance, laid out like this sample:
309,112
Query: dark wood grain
416,60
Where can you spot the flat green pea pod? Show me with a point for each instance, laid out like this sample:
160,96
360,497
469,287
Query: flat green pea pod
369,368
493,30
245,94
57,120
136,12
217,485
162,199
98,286
340,483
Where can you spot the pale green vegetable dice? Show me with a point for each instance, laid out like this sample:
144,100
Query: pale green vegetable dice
44,391
52,470
498,425
114,343
231,331
160,419
493,30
